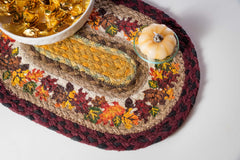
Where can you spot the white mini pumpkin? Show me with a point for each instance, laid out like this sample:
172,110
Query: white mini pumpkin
157,41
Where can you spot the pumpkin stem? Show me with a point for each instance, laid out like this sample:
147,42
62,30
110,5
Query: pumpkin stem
157,37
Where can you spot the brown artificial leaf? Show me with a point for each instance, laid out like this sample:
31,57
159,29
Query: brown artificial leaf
154,96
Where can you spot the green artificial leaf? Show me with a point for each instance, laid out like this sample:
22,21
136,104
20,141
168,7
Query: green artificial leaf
29,87
6,75
154,111
93,114
117,120
15,51
153,84
164,66
112,30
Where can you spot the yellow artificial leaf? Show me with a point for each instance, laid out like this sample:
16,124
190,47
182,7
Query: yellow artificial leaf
19,77
170,93
71,95
15,51
129,119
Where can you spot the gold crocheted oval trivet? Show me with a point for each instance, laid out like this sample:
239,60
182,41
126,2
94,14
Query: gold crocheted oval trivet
109,65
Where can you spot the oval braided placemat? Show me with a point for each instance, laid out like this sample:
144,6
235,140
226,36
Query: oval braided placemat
142,113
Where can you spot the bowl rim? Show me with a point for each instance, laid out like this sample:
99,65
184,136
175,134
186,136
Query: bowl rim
167,59
10,34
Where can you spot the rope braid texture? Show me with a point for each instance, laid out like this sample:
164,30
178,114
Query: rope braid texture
134,141
74,76
85,80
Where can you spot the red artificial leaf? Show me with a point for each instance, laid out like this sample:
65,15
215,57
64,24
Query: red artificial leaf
5,47
100,102
49,83
143,110
59,94
127,26
80,102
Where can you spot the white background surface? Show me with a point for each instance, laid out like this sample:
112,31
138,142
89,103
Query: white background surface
212,131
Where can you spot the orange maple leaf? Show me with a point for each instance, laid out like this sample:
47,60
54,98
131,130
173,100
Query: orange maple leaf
110,112
34,75
156,74
43,94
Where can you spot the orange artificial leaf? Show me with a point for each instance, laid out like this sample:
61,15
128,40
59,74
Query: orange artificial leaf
41,93
58,105
170,94
175,68
129,119
156,74
19,77
34,75
110,112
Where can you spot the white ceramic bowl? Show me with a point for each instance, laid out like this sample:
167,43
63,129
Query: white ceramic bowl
52,38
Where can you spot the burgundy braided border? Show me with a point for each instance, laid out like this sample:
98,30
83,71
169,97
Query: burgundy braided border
122,142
